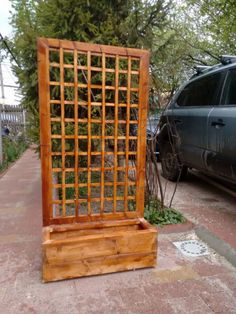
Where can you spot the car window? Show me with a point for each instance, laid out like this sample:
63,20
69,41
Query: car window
229,94
201,92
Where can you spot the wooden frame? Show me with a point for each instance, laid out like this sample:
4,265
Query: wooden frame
93,111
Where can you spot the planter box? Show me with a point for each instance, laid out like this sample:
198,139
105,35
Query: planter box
92,206
86,249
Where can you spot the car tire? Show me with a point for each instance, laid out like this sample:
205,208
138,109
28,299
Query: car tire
171,168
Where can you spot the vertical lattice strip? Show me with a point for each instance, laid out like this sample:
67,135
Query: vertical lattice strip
103,130
116,131
45,132
127,134
89,129
76,132
142,120
62,93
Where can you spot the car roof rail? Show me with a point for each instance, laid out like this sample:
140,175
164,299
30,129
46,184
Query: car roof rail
201,68
227,59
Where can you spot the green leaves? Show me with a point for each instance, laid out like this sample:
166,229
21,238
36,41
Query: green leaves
121,23
157,215
12,149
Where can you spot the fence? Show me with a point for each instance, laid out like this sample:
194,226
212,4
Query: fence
13,118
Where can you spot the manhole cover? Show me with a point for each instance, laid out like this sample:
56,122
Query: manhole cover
192,248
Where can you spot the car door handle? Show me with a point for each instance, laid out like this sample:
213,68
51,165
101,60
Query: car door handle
218,123
178,121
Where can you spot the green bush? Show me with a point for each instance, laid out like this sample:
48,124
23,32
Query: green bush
12,150
158,215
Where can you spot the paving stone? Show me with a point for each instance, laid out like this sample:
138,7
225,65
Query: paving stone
208,268
166,290
220,302
177,285
176,273
191,304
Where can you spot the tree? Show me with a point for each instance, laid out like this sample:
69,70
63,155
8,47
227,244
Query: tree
198,33
219,23
121,22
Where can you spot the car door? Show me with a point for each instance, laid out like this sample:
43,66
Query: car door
190,118
221,153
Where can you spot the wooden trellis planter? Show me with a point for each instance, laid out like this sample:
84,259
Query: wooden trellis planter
93,110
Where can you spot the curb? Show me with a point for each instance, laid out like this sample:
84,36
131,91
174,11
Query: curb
217,244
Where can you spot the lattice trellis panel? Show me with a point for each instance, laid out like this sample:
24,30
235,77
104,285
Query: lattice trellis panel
93,106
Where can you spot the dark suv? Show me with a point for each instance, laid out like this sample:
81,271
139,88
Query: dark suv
198,127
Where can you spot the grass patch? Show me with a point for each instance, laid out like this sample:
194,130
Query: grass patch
156,215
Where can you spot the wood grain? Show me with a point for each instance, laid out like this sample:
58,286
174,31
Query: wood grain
82,46
141,157
98,266
45,143
69,253
76,153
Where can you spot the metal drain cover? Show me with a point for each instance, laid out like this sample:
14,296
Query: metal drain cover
192,248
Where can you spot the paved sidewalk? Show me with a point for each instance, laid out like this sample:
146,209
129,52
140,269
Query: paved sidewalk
178,284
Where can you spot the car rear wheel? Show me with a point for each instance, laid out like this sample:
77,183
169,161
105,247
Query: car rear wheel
171,167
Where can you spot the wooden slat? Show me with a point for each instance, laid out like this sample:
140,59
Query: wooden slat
141,157
62,130
85,232
84,47
92,137
98,265
116,132
93,169
127,135
92,153
89,130
103,130
71,185
93,199
76,186
45,147
94,217
91,225
95,69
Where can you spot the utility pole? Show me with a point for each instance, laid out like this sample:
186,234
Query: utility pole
1,104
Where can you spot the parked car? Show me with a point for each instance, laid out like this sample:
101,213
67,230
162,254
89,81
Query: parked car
198,127
152,129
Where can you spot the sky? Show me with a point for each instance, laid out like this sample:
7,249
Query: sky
11,95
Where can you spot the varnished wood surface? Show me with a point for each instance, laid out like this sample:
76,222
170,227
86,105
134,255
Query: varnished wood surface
70,252
82,46
45,46
44,103
98,266
103,238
